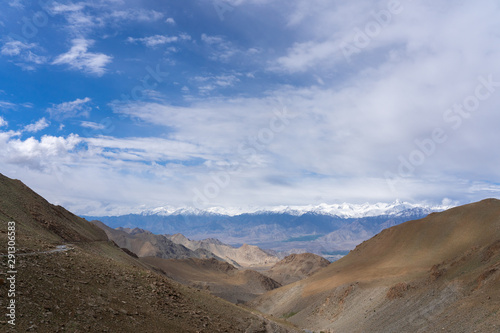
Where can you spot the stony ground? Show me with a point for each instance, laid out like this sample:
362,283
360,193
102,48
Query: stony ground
95,288
438,274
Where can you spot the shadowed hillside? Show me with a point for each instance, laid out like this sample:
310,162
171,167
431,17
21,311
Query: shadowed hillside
220,278
39,222
146,244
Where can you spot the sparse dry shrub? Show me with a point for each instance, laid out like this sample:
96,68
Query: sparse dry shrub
398,290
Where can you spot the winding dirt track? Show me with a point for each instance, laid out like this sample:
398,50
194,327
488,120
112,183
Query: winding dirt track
59,248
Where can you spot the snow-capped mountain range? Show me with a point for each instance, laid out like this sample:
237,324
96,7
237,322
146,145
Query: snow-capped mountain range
344,210
323,229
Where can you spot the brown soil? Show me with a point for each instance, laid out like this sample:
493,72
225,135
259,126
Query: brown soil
295,267
217,277
440,273
95,286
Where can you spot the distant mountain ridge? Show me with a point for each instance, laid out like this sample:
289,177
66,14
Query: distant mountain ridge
436,274
286,230
144,243
245,255
344,210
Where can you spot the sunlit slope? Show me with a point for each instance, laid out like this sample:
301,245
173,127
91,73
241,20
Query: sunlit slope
459,247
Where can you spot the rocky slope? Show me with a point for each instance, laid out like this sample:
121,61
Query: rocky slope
244,256
146,244
219,278
186,266
91,285
296,267
39,222
440,273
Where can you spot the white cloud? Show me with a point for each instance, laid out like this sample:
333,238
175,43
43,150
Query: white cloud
84,17
145,149
246,2
80,17
16,3
59,8
303,56
153,41
92,125
352,121
15,47
7,105
206,84
212,39
170,21
334,36
218,125
34,58
37,126
64,160
48,153
206,89
3,122
78,58
220,49
344,136
137,15
226,80
26,58
73,109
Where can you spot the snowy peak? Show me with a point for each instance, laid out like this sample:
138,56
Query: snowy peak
344,210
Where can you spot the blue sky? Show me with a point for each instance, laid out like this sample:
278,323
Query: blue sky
115,106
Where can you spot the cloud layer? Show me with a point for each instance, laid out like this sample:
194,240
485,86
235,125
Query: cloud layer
79,58
320,101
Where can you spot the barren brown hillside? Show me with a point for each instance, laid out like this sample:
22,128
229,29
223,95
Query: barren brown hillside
39,222
440,273
295,267
146,244
199,267
91,285
220,278
248,256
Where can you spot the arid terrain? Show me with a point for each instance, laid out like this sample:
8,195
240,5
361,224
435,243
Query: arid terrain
437,274
234,274
218,277
94,286
247,256
295,267
146,244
